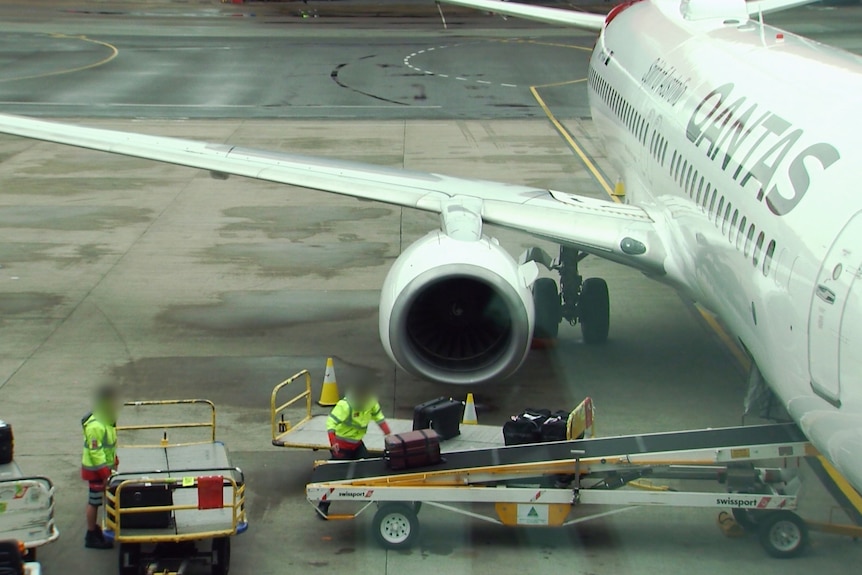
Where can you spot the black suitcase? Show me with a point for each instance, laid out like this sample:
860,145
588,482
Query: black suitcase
555,428
7,443
145,495
443,415
419,448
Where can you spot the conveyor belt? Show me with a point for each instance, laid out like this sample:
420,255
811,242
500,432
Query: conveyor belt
593,448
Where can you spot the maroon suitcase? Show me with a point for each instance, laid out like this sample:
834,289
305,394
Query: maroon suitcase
418,448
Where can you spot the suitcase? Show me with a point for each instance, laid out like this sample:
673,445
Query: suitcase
555,427
418,448
144,495
7,443
443,415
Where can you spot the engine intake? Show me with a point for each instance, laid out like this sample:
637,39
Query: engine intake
457,311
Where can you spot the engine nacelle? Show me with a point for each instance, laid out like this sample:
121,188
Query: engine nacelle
456,311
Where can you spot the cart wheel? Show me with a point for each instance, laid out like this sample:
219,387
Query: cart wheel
783,534
30,555
130,558
417,507
396,525
221,556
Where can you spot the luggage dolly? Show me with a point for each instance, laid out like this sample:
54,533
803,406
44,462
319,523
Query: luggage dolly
174,504
546,492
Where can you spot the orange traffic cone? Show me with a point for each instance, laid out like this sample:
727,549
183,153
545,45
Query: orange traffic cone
470,412
329,395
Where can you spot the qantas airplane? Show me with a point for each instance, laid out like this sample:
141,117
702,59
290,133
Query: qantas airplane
739,146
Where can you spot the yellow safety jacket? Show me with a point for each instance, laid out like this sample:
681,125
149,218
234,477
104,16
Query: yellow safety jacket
100,446
350,423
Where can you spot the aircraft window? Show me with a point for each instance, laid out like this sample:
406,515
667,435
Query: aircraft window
690,185
706,196
687,178
680,172
767,260
652,146
699,190
663,150
758,247
726,218
748,239
718,210
739,231
733,224
646,130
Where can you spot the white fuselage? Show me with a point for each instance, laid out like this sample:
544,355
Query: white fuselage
744,142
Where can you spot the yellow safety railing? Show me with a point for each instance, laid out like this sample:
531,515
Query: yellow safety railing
114,510
211,424
281,427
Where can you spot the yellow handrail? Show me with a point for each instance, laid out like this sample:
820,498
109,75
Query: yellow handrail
274,410
114,510
179,425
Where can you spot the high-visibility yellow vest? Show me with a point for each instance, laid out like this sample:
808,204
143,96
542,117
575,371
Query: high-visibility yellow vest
351,423
100,444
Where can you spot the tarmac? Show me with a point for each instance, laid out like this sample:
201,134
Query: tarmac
178,285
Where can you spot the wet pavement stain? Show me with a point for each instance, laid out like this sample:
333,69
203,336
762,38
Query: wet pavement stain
256,312
299,259
64,186
72,218
24,252
297,223
17,303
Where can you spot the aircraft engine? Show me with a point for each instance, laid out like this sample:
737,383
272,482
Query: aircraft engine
456,311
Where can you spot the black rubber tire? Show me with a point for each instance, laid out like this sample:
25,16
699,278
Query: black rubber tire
783,534
546,301
417,507
221,556
129,560
396,526
594,311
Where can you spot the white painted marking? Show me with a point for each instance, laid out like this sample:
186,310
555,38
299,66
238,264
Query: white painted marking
430,49
443,75
510,85
460,78
483,82
421,52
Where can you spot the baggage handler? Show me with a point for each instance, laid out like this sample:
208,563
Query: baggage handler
347,425
99,459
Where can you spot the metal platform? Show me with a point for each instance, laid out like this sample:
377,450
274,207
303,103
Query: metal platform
311,434
310,431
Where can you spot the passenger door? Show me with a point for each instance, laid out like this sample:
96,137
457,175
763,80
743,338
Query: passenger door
836,285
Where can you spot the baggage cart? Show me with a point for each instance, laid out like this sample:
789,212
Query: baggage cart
173,504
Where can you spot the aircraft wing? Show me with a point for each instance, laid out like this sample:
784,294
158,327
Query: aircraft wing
617,232
562,17
756,7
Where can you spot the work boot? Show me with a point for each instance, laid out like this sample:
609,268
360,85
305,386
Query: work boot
323,510
95,539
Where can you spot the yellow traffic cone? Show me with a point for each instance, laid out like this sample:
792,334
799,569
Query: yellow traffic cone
329,395
470,411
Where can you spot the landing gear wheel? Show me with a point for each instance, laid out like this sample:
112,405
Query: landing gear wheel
221,556
130,558
396,526
783,534
546,299
594,311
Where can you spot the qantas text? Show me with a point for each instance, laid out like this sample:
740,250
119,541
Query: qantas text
748,142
